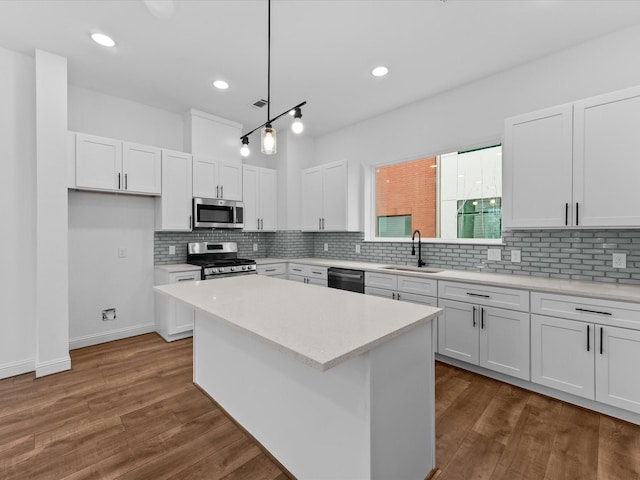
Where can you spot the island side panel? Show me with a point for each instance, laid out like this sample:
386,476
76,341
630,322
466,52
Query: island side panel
403,406
317,424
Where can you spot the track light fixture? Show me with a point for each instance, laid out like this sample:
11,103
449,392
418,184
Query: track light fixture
268,143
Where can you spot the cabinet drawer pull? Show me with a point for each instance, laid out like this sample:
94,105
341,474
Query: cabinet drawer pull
473,317
588,339
478,295
190,279
296,269
270,270
316,272
601,334
592,311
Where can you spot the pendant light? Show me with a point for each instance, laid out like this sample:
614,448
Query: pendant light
268,139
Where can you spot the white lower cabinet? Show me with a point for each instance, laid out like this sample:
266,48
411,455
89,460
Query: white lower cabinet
481,334
277,270
403,288
173,319
591,354
311,274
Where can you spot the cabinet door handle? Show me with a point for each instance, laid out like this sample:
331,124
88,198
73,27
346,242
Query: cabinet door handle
190,226
473,317
393,295
262,224
126,181
601,336
588,339
217,191
592,311
118,181
398,295
319,223
323,227
221,191
481,317
577,214
566,214
478,295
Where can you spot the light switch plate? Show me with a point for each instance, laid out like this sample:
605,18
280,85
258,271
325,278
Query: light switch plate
357,248
172,249
619,260
326,247
255,247
515,256
494,254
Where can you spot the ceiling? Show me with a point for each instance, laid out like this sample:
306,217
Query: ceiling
322,51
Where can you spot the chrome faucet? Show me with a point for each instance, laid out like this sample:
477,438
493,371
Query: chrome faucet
413,248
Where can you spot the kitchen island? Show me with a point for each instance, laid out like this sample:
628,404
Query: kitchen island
335,385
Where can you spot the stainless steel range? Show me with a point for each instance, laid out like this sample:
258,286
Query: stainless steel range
219,260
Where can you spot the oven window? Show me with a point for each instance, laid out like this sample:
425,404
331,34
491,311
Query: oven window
215,214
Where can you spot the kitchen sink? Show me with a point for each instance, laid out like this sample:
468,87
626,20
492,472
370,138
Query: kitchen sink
409,268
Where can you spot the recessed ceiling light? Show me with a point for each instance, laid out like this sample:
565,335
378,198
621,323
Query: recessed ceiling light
221,84
102,39
379,71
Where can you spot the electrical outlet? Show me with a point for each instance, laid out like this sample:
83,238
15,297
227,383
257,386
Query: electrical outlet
515,256
326,247
357,248
122,252
172,249
619,260
255,247
494,254
108,314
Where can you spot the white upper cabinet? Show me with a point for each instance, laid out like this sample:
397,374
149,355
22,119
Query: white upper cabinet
260,199
216,178
536,171
573,165
606,147
113,165
142,168
324,197
173,208
98,162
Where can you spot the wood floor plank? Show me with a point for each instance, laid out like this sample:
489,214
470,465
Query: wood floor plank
618,450
259,467
527,454
574,452
476,458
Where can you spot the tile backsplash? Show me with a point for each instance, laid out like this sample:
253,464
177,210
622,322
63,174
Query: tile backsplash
569,254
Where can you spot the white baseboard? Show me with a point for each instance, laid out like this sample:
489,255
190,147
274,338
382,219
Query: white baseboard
53,366
17,368
95,339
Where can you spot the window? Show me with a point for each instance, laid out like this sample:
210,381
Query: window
457,195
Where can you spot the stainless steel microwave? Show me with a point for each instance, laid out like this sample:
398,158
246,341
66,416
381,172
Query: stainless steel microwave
216,213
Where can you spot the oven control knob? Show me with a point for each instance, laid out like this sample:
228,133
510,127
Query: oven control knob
244,267
233,269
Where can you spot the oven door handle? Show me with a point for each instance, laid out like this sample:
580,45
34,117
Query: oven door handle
346,275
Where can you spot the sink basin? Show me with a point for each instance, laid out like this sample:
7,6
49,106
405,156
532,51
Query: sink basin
409,268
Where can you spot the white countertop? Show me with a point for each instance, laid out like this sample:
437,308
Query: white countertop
320,326
607,291
178,267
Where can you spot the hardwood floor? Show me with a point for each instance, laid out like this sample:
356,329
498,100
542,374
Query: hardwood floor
129,410
486,429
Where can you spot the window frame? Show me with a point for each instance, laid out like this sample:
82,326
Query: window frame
369,199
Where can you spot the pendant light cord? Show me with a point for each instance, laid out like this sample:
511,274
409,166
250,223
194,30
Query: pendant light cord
268,61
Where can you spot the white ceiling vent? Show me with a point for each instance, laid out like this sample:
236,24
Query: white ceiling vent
259,103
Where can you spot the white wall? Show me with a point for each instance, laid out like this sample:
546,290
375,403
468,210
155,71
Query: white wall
17,213
99,114
52,261
101,224
473,115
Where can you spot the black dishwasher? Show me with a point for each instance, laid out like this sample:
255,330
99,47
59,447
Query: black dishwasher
346,279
